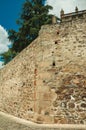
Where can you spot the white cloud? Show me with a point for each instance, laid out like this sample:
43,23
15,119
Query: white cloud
67,5
4,41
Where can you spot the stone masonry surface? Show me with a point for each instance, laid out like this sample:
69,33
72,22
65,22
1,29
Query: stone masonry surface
46,82
8,122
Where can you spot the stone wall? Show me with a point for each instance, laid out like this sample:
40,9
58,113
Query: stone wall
8,122
46,82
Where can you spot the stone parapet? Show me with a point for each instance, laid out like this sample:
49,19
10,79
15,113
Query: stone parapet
73,16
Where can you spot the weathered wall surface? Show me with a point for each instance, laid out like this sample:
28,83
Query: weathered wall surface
46,82
8,122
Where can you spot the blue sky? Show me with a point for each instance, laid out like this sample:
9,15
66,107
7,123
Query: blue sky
10,11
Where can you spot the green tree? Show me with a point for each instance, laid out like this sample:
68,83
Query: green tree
8,56
34,14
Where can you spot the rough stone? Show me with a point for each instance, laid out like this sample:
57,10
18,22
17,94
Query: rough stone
46,82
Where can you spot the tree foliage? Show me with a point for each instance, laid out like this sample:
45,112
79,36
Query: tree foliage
33,15
8,56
